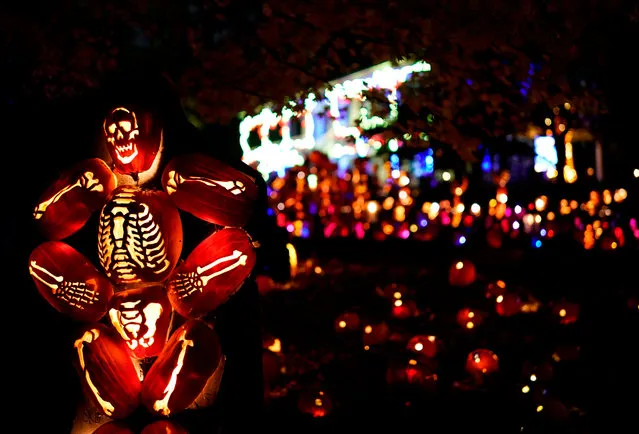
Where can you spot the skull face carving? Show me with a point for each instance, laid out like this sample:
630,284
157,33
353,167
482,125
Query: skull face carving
132,144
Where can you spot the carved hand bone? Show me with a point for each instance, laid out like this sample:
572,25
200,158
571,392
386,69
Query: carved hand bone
76,294
188,283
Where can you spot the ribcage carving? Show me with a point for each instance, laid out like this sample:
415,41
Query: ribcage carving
130,240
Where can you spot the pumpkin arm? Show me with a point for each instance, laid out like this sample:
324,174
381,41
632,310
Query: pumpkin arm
65,207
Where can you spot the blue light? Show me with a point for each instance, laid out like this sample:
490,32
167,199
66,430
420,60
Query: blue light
462,240
537,244
486,164
423,223
305,232
270,212
542,232
394,158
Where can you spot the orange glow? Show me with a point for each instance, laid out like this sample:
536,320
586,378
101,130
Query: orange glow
161,405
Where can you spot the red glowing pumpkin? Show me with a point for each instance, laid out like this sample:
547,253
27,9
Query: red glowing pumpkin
210,189
163,427
69,282
65,207
462,273
423,345
508,304
115,427
109,378
213,272
139,236
482,362
142,317
181,371
132,138
469,318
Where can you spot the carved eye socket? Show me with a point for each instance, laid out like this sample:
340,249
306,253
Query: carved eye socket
125,125
112,128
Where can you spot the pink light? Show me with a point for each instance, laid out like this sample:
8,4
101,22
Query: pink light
359,230
405,233
329,229
445,219
508,212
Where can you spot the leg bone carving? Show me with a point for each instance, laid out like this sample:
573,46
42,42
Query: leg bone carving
175,179
187,283
88,337
161,405
86,181
76,294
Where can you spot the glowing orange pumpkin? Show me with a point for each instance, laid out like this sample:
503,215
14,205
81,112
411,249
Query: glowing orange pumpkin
210,189
115,427
462,273
163,427
139,236
69,282
133,139
213,272
181,371
109,378
142,317
482,362
65,207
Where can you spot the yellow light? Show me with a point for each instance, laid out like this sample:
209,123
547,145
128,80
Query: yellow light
318,270
276,346
547,121
318,402
562,313
502,197
500,298
398,303
419,346
567,105
412,362
292,257
458,191
368,329
525,389
397,295
372,207
471,314
540,408
635,173
470,325
533,378
446,176
459,265
342,324
475,208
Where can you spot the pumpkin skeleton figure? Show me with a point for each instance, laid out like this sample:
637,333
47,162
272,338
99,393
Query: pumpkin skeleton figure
147,340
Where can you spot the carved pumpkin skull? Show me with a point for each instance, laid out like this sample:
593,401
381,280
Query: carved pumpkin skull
132,143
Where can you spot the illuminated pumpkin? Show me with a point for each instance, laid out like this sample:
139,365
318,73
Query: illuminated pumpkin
423,345
375,334
163,427
69,282
482,362
142,317
409,371
462,273
213,272
568,313
315,402
109,378
139,236
65,207
133,139
348,321
115,427
469,318
495,289
210,189
508,304
183,368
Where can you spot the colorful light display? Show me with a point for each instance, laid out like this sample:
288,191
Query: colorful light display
338,113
